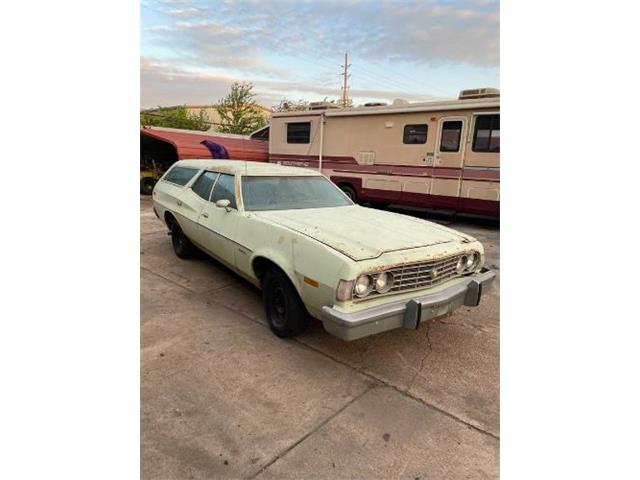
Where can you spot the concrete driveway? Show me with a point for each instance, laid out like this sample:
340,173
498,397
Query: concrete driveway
222,397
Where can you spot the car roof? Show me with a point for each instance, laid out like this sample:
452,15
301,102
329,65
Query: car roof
247,168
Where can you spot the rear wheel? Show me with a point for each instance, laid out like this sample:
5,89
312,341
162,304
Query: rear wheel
349,192
285,312
182,246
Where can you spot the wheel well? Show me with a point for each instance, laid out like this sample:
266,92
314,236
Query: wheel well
261,265
169,219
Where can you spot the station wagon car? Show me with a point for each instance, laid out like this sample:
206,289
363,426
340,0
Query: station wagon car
313,252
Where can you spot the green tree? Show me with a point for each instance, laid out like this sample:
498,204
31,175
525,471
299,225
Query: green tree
287,105
175,117
239,112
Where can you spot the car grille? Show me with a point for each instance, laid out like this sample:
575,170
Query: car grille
419,275
423,274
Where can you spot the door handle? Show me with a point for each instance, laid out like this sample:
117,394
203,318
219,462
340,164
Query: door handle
179,203
205,215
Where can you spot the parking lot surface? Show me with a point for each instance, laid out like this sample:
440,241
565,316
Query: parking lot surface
222,397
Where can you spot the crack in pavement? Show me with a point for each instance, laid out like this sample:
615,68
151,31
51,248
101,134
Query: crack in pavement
311,432
427,352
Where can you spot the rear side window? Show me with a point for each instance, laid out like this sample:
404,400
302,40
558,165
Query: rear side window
203,185
486,137
298,132
180,175
451,131
414,134
225,189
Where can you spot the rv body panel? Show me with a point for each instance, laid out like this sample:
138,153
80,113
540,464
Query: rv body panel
443,157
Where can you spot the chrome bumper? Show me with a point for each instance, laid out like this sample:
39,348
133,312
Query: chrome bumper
406,313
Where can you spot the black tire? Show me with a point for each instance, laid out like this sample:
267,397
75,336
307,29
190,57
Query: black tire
350,192
146,185
182,246
285,312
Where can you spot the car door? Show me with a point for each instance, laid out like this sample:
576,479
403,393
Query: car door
194,199
217,226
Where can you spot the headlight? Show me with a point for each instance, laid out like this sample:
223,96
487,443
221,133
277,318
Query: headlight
468,262
384,282
462,264
364,285
471,260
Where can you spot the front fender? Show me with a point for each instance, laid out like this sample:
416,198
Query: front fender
279,259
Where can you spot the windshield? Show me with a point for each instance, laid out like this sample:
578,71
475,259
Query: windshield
287,193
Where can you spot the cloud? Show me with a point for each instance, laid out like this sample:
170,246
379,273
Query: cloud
426,31
164,85
185,11
291,47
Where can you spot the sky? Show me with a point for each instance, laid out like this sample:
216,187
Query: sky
192,51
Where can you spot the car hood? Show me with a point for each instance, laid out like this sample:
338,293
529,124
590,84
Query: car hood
363,233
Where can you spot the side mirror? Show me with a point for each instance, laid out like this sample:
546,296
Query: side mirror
224,203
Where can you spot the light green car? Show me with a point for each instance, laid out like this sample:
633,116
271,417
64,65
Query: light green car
313,252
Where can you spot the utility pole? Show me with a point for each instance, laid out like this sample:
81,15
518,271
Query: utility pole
345,85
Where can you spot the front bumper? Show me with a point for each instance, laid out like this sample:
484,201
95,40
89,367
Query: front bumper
406,313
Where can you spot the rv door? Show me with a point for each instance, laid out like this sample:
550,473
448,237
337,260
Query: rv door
446,172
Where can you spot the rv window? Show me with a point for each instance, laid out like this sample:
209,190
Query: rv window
486,137
415,134
298,132
180,175
450,140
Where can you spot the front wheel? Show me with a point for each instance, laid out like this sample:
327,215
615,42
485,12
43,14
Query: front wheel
285,312
349,192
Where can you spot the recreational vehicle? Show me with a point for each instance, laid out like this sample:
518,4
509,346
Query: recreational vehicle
440,154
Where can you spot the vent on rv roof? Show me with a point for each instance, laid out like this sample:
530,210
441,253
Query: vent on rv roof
400,101
479,93
375,104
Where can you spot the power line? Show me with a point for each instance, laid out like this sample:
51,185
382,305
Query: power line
402,83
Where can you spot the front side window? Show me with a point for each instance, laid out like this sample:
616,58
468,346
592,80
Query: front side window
225,189
180,175
451,132
203,185
288,193
486,137
299,132
414,134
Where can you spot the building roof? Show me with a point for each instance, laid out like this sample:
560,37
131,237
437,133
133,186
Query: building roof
188,143
190,106
248,168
